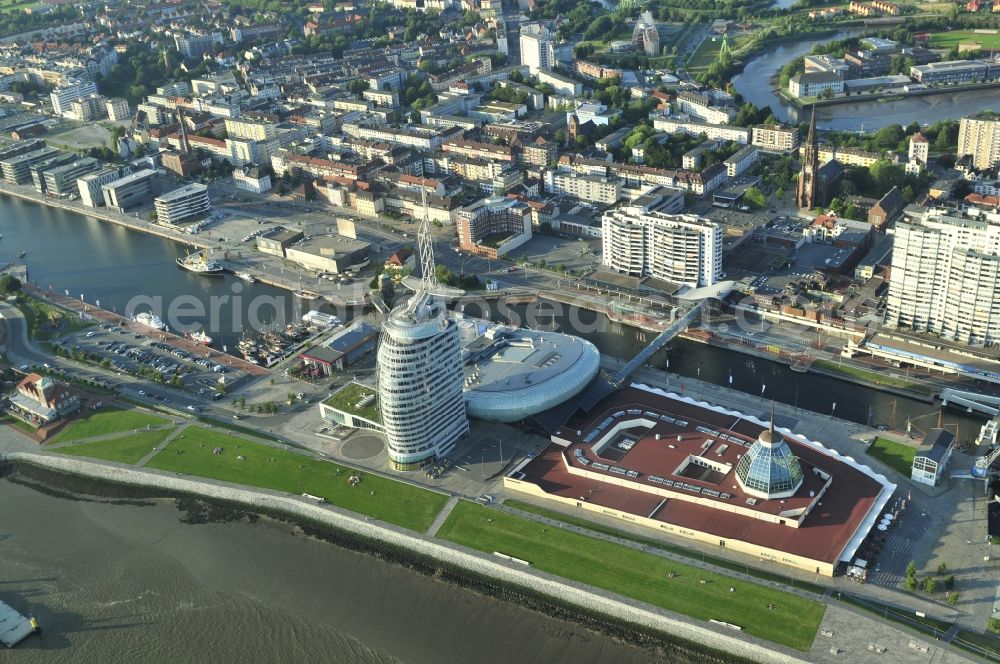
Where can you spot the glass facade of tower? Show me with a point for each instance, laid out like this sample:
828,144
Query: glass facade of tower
420,384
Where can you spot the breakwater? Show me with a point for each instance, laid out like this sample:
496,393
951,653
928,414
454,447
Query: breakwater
546,592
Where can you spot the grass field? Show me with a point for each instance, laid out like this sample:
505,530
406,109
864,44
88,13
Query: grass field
642,576
870,376
659,544
126,449
272,468
953,38
20,424
103,422
706,54
897,456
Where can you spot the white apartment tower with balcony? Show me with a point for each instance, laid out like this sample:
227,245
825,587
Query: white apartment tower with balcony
946,276
537,51
681,248
420,381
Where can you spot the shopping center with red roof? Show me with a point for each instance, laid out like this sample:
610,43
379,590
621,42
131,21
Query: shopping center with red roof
699,471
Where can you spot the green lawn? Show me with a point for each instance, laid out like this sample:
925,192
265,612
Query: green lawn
642,576
127,449
706,54
659,544
872,377
273,468
349,396
897,456
20,424
111,420
953,38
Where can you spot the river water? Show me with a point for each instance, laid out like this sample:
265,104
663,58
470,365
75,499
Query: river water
125,583
755,85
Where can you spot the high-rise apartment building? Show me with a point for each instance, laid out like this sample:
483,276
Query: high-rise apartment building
680,248
420,381
537,51
946,276
979,136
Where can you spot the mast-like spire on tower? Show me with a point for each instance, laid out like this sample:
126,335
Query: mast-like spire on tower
425,246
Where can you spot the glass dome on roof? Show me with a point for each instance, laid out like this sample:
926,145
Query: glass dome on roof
769,469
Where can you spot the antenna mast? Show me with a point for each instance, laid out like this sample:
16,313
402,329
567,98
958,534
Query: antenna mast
425,246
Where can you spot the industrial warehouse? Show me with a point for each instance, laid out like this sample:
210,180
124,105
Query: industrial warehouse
696,470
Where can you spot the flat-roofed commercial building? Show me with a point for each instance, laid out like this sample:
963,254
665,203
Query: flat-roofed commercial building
952,71
61,180
38,169
90,185
680,248
691,469
182,204
17,168
330,253
130,191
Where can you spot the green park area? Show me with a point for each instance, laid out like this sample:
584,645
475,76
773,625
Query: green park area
108,421
897,456
46,321
223,456
764,612
953,38
123,449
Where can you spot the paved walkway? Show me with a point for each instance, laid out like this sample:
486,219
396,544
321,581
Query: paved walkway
442,516
159,448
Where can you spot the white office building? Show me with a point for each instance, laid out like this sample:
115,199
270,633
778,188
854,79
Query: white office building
91,185
537,51
680,248
182,204
420,380
946,276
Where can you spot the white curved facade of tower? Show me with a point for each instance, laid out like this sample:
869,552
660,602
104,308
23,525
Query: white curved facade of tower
420,384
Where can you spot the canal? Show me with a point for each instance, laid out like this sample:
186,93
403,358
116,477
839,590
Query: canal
755,85
752,375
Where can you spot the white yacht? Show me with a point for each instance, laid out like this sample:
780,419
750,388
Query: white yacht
149,319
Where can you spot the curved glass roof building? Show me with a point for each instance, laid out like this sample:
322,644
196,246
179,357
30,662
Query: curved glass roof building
420,383
511,374
769,469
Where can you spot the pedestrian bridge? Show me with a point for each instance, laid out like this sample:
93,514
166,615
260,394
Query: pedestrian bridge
984,403
661,340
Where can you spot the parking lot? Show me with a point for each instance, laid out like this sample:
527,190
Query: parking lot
132,353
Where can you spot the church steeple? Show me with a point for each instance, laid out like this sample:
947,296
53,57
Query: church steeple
806,194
